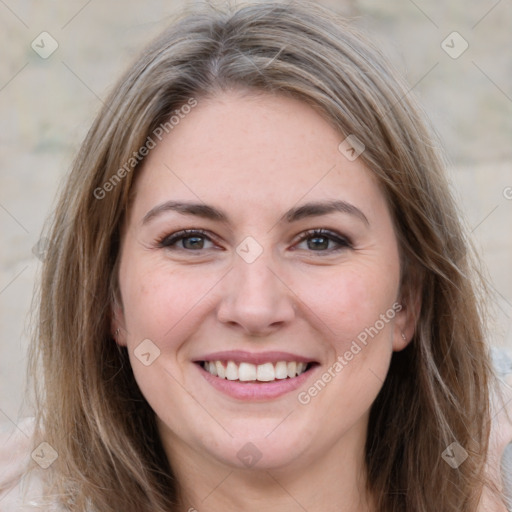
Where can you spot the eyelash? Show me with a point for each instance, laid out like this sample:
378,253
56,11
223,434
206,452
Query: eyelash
342,241
169,241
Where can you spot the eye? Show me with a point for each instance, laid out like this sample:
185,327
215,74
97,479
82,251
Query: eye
187,239
316,240
323,240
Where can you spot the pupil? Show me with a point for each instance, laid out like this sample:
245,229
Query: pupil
319,242
193,242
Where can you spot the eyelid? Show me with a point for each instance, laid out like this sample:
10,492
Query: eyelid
333,235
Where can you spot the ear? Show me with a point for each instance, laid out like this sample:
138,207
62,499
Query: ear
117,323
407,317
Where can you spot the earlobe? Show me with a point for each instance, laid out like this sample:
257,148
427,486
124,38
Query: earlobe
401,342
407,317
405,324
119,337
117,324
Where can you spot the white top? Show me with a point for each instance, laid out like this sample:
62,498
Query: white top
21,479
25,493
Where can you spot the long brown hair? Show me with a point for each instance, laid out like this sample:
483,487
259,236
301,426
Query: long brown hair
436,392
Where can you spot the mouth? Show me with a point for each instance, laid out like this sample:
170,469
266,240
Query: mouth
251,373
254,377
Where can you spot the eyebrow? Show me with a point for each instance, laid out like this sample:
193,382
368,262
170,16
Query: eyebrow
312,209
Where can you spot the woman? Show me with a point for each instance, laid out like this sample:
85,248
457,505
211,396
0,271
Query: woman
258,295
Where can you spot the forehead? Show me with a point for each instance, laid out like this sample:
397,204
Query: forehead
253,150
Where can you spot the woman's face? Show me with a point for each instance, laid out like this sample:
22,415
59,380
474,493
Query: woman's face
219,320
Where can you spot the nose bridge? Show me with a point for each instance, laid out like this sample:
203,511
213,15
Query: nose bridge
256,277
254,297
252,264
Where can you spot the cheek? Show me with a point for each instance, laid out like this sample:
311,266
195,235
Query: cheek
356,316
356,307
161,304
350,300
146,291
167,308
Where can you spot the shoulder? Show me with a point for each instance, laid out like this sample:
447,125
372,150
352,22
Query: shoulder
500,452
21,479
501,399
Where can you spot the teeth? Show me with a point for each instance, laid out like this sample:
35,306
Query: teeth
281,370
231,371
220,370
247,372
212,368
265,372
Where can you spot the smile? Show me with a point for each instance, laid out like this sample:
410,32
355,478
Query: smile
248,372
255,376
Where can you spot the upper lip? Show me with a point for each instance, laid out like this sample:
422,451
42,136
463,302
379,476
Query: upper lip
241,356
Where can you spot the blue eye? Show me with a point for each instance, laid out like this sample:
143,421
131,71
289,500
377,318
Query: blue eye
322,240
316,240
188,239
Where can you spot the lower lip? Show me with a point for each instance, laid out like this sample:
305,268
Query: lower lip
255,391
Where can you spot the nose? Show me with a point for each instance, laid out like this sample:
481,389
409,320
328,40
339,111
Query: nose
255,298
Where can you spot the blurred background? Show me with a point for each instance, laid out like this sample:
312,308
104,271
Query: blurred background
58,60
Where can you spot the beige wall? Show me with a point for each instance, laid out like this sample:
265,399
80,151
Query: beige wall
47,105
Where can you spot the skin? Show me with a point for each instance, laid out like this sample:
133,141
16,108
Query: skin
255,156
